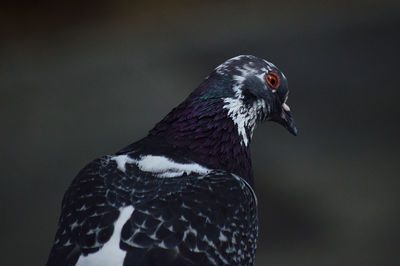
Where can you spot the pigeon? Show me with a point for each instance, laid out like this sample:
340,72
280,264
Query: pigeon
184,194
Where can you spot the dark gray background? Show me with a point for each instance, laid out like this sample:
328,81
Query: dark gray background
78,81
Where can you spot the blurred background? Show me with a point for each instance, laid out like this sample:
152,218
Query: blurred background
80,79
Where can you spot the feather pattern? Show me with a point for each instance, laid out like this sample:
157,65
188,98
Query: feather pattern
184,194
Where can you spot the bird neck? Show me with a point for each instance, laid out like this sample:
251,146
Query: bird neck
202,130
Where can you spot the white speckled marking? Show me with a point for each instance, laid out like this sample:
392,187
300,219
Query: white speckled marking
222,237
208,241
242,116
221,68
110,254
121,160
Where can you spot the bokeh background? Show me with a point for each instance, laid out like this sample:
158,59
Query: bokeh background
81,79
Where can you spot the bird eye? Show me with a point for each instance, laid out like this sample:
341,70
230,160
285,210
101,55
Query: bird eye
273,80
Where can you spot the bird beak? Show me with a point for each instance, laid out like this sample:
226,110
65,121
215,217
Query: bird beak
286,120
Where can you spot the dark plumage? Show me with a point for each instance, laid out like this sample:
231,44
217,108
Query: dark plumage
184,194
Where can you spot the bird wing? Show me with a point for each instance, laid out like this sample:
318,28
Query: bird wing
132,217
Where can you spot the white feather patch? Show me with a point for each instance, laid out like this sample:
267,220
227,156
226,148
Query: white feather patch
121,160
286,107
165,167
243,117
110,254
160,166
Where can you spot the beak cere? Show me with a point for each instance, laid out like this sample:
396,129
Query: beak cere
287,120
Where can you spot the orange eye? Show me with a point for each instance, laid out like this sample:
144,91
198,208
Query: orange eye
272,79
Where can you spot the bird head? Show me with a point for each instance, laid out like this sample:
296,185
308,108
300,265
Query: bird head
252,90
244,89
